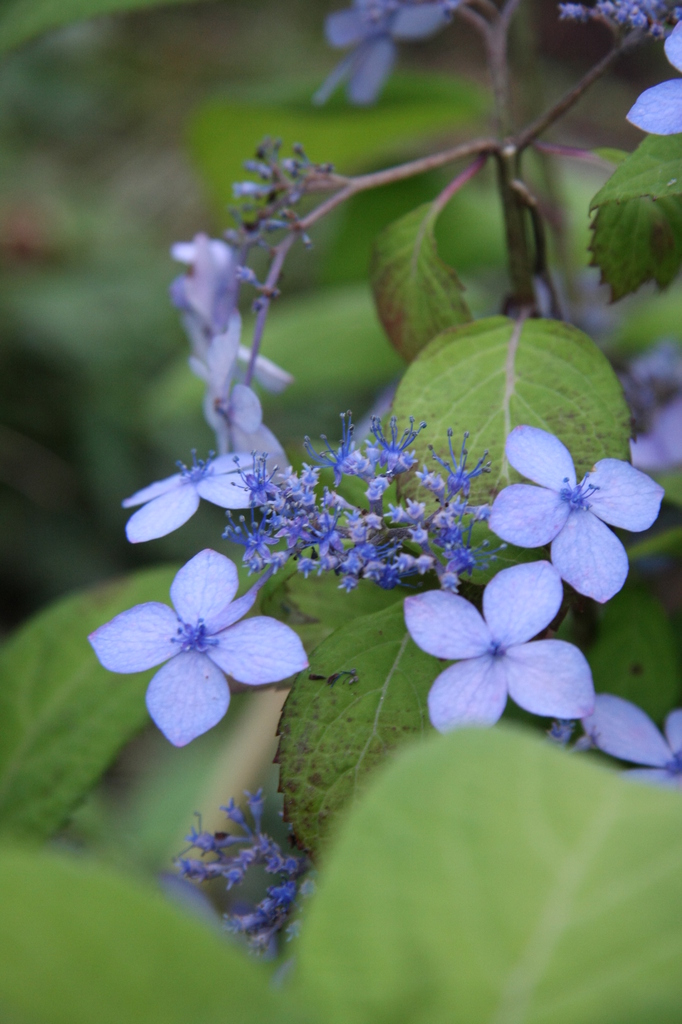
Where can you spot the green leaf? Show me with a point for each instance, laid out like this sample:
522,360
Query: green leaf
667,543
417,295
83,944
637,230
413,108
611,155
315,607
492,375
21,20
490,878
635,655
672,483
332,736
63,718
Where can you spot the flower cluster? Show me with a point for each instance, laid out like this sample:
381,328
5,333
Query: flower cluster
233,855
653,16
328,533
371,29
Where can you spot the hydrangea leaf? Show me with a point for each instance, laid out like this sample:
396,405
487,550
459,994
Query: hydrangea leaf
336,729
489,877
635,655
494,374
417,294
315,607
63,718
667,542
82,943
637,227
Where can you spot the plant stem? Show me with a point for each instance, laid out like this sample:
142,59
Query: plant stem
269,291
441,201
519,254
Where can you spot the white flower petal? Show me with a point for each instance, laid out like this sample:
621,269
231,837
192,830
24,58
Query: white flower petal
270,376
262,441
259,650
673,47
203,588
187,697
371,68
528,516
472,692
227,491
541,457
221,357
236,610
245,409
673,730
232,462
659,110
550,677
590,557
163,515
154,491
137,639
626,497
623,730
521,601
446,625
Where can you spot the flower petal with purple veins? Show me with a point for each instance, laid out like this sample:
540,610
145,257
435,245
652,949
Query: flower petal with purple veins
673,730
521,601
154,491
590,557
446,625
259,650
204,587
225,490
187,697
472,692
625,496
372,66
137,639
541,457
623,730
236,610
163,515
550,677
659,109
528,516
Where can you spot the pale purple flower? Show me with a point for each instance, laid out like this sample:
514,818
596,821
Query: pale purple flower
494,658
168,504
659,109
660,449
623,730
571,515
201,640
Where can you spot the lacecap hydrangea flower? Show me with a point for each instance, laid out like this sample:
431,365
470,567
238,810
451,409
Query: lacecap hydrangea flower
199,639
659,109
572,516
623,730
494,657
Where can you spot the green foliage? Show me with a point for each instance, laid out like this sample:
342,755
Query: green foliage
333,735
411,109
82,944
635,655
21,20
637,229
489,376
487,877
417,295
667,542
63,718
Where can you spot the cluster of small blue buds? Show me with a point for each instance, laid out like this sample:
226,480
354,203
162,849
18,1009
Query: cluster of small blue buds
657,17
327,533
233,855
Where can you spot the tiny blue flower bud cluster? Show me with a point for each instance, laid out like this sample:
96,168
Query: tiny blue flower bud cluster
329,534
656,17
261,924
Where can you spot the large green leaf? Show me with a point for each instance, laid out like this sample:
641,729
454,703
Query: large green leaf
412,109
336,729
635,654
491,375
83,945
637,229
63,718
21,20
489,878
416,293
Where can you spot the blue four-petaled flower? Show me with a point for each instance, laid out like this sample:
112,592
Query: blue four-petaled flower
623,730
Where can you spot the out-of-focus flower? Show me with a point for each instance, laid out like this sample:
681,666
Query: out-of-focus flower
623,730
659,109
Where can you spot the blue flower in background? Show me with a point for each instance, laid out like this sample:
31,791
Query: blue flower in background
200,639
659,109
547,677
572,516
371,29
623,730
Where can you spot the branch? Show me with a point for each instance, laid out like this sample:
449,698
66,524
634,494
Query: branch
269,291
